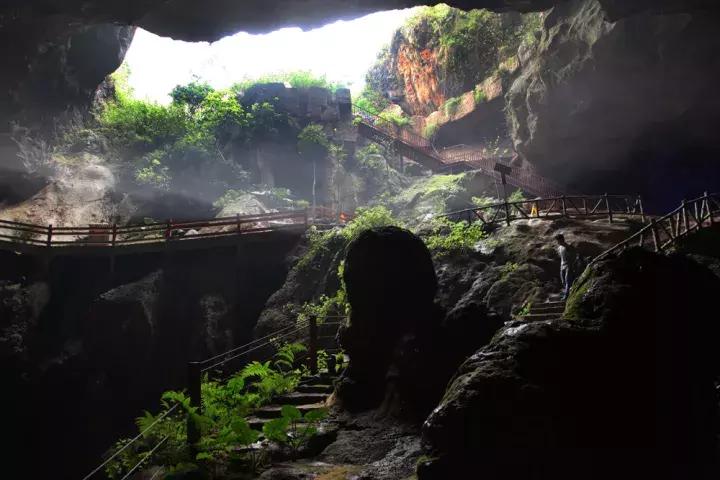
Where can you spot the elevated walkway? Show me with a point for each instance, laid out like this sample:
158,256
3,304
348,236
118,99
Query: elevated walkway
420,149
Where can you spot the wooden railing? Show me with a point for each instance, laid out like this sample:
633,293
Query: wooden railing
578,206
18,233
662,233
521,178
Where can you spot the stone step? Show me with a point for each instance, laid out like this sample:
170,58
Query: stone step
275,411
543,309
315,388
551,304
301,398
538,317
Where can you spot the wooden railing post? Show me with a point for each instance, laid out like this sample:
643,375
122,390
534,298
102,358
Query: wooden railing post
656,240
564,206
585,206
49,235
709,210
537,209
195,392
609,210
312,345
640,206
238,222
168,230
686,220
114,235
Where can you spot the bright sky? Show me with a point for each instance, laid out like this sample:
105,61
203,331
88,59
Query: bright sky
342,51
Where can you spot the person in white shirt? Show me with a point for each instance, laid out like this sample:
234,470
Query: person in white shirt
568,256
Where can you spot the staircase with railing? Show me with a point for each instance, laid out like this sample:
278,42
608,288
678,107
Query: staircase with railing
663,233
421,150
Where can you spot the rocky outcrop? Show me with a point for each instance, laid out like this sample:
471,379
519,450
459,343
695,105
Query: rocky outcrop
76,342
625,382
441,53
624,105
391,284
53,64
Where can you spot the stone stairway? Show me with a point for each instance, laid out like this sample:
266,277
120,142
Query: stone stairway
311,394
550,310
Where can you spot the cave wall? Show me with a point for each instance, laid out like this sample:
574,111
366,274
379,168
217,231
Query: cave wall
626,105
82,353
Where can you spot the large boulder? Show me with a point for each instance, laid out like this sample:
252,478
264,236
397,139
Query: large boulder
391,285
623,385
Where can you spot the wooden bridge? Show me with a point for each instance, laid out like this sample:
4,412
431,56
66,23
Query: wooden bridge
116,239
421,150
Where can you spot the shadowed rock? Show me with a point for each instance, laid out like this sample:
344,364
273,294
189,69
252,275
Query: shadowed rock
625,383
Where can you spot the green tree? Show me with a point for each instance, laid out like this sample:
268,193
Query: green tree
193,94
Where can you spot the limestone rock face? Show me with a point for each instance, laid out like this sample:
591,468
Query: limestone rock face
439,54
625,380
626,103
53,64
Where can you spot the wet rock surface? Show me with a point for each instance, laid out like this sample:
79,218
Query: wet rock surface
624,382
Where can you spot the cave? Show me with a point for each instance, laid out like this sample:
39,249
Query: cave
590,97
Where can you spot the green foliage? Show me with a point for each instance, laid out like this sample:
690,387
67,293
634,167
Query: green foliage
372,101
142,126
294,429
395,118
313,136
193,94
318,242
451,105
508,269
366,219
454,237
222,425
479,95
517,196
430,130
484,201
296,79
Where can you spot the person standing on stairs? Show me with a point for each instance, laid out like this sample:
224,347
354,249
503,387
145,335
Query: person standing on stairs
568,257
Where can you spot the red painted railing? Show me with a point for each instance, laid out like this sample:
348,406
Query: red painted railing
169,231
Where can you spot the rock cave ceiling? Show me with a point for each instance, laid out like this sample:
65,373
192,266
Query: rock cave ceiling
207,20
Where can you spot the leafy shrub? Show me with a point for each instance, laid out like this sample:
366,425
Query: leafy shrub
221,423
193,94
451,105
430,130
397,119
372,101
293,428
479,95
296,79
313,141
142,126
454,237
366,219
517,196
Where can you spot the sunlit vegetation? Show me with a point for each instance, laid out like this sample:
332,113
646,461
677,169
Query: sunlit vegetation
224,430
371,101
297,79
451,106
479,95
430,130
449,237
